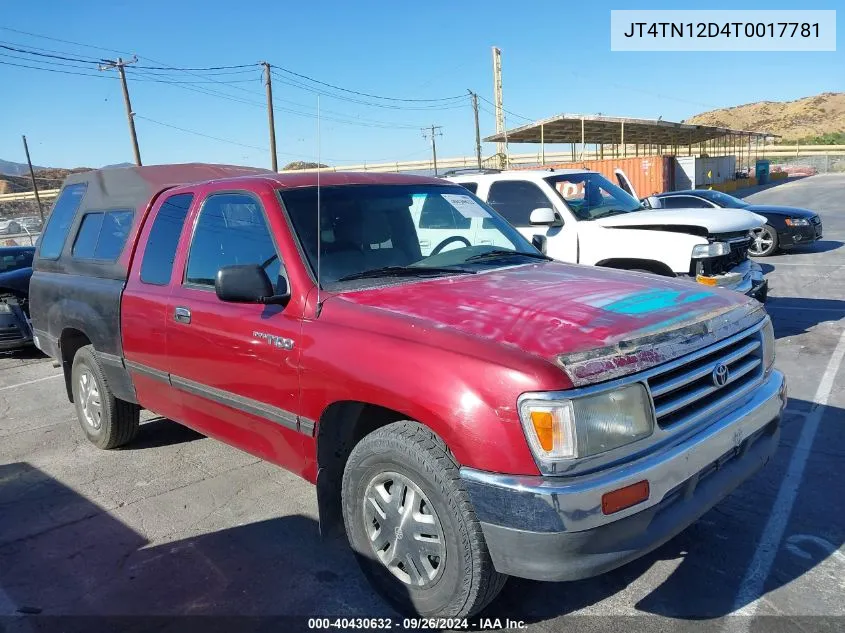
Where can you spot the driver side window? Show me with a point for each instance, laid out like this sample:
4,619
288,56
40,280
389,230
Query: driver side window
516,199
685,202
231,229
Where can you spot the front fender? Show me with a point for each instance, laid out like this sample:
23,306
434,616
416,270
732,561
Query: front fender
600,243
470,402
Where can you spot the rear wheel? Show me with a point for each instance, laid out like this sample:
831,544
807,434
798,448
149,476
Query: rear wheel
764,242
412,526
106,421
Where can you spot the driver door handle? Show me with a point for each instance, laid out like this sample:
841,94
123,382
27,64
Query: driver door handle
182,315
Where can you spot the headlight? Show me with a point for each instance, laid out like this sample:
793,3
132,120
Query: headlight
797,222
569,429
4,307
768,344
713,249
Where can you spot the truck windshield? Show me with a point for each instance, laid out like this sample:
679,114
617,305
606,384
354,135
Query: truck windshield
590,195
400,231
15,259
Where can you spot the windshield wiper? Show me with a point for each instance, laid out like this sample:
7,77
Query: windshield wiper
405,271
501,252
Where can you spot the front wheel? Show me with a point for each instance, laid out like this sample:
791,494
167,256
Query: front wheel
412,527
764,241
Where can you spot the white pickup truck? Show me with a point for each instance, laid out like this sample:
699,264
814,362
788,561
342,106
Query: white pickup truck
580,216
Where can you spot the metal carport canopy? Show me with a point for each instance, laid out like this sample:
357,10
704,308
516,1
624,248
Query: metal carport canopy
591,128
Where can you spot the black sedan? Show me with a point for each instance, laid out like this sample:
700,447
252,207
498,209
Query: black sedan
15,272
785,226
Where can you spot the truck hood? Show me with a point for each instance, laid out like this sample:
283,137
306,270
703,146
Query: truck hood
16,281
713,220
595,323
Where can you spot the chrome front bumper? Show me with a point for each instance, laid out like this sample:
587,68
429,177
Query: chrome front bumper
742,278
547,528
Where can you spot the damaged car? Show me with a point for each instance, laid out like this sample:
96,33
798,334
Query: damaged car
15,272
784,227
579,216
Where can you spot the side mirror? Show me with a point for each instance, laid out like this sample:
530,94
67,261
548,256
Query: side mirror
539,242
247,283
544,217
653,202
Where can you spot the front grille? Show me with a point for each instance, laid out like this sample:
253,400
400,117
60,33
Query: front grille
11,333
724,263
686,390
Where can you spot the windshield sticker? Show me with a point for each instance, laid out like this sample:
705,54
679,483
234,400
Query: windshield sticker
465,205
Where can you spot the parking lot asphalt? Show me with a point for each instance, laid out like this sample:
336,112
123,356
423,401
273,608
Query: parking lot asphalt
179,524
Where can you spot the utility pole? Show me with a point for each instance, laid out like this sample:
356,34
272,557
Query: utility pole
501,146
34,184
270,119
130,116
477,130
433,131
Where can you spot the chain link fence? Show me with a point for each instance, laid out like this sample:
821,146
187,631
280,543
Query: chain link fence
809,165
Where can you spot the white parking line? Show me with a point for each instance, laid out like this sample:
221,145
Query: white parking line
30,382
751,588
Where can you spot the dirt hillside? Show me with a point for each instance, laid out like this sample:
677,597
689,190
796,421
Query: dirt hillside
802,119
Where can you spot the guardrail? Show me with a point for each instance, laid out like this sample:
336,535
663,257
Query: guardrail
47,194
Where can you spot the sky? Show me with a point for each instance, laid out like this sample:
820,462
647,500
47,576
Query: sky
555,58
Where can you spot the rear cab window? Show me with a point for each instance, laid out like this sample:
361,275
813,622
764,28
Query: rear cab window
58,226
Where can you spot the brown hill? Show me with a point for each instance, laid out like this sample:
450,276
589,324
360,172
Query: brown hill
803,119
49,178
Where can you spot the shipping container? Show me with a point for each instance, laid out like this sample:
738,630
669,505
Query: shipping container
696,172
648,174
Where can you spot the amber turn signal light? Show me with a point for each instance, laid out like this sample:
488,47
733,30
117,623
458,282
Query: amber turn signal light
707,281
544,426
624,497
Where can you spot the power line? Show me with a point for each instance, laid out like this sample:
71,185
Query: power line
56,39
265,149
37,54
40,61
442,106
361,122
364,94
519,116
209,136
54,70
256,64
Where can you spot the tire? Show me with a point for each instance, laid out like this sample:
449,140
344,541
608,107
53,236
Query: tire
106,421
407,456
765,242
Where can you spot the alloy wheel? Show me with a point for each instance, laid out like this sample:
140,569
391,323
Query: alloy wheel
762,242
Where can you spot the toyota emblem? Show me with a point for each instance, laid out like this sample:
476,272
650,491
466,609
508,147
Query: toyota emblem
721,374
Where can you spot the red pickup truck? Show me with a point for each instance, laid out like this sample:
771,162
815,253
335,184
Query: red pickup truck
471,414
